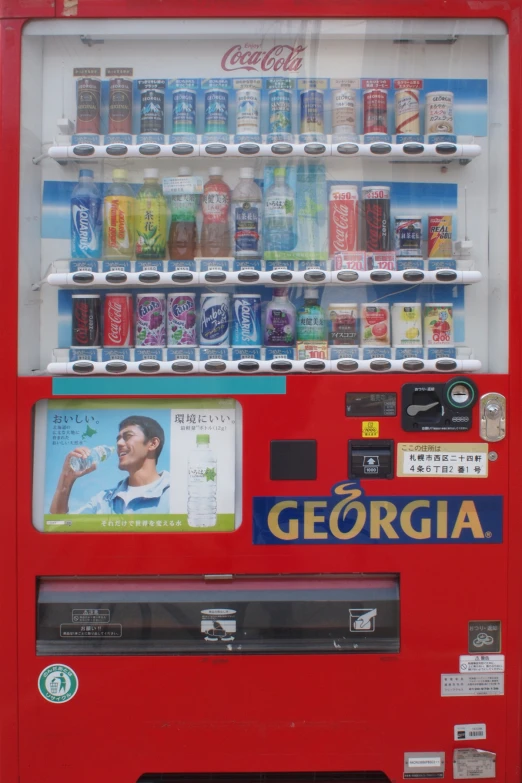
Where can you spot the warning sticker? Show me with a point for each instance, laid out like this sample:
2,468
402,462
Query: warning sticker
469,731
471,684
482,663
370,429
446,460
473,763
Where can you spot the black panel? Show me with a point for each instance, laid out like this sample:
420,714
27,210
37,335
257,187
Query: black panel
293,460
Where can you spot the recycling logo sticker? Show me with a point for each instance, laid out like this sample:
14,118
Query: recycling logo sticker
58,683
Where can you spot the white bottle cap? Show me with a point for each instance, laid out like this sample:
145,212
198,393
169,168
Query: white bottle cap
246,173
150,173
312,293
215,171
184,171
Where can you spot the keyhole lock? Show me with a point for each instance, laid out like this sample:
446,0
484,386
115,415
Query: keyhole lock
492,417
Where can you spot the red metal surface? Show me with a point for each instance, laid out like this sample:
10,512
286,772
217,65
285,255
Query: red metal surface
283,713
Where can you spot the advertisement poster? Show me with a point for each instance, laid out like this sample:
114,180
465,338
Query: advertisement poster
137,465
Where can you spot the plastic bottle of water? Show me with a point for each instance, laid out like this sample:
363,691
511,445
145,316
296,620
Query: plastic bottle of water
98,454
280,214
202,485
86,218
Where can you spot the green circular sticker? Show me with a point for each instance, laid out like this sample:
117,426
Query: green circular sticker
58,683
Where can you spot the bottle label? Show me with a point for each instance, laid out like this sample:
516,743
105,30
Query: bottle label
86,225
117,222
279,328
278,206
247,227
215,206
184,208
202,475
151,227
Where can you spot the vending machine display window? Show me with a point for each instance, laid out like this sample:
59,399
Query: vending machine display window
240,615
268,197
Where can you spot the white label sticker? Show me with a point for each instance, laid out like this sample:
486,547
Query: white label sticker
473,763
481,663
471,684
179,186
446,460
425,761
469,731
424,765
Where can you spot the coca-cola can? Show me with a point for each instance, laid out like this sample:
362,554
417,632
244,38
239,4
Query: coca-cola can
344,216
117,320
377,217
375,111
86,320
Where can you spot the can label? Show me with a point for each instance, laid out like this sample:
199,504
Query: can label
150,320
86,321
246,325
280,112
375,108
86,220
439,112
117,321
120,106
312,111
377,218
152,111
438,324
247,221
440,236
181,319
117,222
343,111
408,236
216,111
344,218
406,321
407,113
342,324
247,111
355,260
215,317
375,324
88,98
184,111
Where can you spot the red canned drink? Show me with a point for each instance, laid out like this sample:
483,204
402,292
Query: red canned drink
375,107
117,321
86,318
344,200
377,217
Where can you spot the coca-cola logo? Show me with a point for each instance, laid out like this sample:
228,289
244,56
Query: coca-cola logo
279,58
84,325
343,226
115,315
376,227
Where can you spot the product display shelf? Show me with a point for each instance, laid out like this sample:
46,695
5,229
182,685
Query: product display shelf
313,277
273,367
443,152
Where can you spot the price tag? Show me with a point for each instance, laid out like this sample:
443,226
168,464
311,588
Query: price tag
182,186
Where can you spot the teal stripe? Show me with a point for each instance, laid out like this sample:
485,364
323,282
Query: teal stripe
146,387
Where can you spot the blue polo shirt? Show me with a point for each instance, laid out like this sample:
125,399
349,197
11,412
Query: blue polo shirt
153,498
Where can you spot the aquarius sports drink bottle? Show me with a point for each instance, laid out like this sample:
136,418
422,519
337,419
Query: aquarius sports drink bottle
280,214
202,485
118,218
215,234
98,454
150,221
183,232
86,218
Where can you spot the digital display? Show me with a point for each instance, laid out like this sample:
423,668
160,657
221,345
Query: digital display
371,404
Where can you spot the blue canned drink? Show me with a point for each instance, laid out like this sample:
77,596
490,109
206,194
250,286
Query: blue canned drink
184,111
246,325
215,318
280,114
312,112
216,111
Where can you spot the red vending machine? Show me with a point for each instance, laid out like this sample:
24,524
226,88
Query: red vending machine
264,523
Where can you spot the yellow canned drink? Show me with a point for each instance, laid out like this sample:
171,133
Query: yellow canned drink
440,236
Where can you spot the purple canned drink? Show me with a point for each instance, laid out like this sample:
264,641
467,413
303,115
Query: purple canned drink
86,321
181,319
150,320
215,317
246,325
